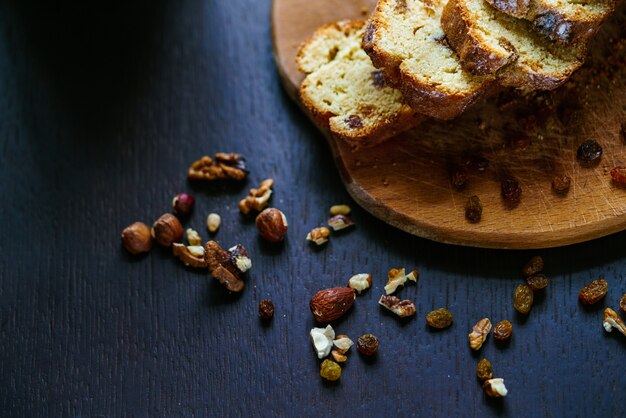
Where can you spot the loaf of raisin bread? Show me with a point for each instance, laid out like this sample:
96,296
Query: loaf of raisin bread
345,93
491,42
406,40
567,21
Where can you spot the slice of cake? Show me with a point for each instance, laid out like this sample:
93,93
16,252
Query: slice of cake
344,92
406,40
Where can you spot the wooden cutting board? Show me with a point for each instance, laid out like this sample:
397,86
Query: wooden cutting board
406,181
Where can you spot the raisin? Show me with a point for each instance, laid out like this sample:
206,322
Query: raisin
502,330
561,184
266,309
511,191
533,266
593,292
354,122
378,79
458,178
477,163
473,209
439,318
622,303
330,370
484,370
589,152
523,299
537,281
367,344
618,174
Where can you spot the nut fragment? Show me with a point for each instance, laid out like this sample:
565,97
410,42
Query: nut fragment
190,255
318,235
340,210
239,257
402,308
213,222
330,370
227,267
330,304
167,229
593,292
479,333
272,225
502,330
338,357
367,344
484,370
257,199
533,266
495,388
266,309
612,320
360,282
439,318
322,339
339,222
182,204
224,166
523,298
136,238
343,343
398,277
193,238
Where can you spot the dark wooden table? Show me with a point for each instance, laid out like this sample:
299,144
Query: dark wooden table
102,108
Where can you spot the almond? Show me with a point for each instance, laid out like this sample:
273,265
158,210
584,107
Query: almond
330,304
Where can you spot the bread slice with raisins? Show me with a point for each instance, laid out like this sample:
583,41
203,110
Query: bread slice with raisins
345,93
406,40
566,21
491,42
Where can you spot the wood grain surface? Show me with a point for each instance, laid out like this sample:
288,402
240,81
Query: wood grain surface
102,109
406,182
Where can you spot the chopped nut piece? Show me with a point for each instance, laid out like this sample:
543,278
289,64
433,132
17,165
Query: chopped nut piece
593,292
479,333
612,320
239,257
360,282
495,388
618,174
190,256
484,370
330,370
502,330
402,308
225,166
340,210
322,339
318,235
266,309
213,222
338,357
439,318
257,199
343,343
537,282
193,238
227,266
397,277
339,222
136,238
367,344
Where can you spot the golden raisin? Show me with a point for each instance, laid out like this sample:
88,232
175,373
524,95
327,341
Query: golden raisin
330,370
367,344
533,266
622,303
593,292
503,330
523,299
484,370
439,318
537,281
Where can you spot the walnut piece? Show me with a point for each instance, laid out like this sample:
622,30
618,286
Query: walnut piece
339,222
322,339
318,235
479,333
495,388
398,277
257,199
192,255
612,320
402,308
227,267
223,166
360,282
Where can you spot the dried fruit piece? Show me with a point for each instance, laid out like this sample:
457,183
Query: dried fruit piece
511,191
523,298
330,370
479,333
192,255
402,308
533,266
340,210
360,282
589,152
622,303
318,235
339,222
182,204
266,309
354,122
439,318
495,388
561,184
593,292
484,370
473,209
136,238
224,166
398,277
367,344
503,330
612,320
618,174
257,199
322,339
330,304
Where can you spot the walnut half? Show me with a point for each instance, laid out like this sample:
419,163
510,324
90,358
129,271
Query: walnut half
227,267
402,308
222,166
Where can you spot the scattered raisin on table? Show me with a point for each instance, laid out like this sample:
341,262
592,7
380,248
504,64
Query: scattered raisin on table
589,152
439,318
330,370
537,281
618,174
473,209
622,303
484,370
533,266
593,292
523,299
367,344
502,330
561,184
266,309
510,190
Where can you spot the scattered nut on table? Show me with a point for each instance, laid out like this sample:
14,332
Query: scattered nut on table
360,282
272,225
318,235
343,343
182,204
612,320
330,304
322,339
192,255
136,238
398,277
339,222
495,388
479,333
213,222
224,166
227,267
257,199
193,237
167,230
340,210
402,308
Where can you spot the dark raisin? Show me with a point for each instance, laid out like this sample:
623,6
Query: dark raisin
537,281
589,152
561,184
477,163
593,292
533,266
473,209
622,303
458,178
367,344
439,318
502,330
511,191
484,370
523,299
378,79
354,122
266,309
618,174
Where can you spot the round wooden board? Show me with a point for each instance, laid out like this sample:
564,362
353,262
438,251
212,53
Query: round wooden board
406,181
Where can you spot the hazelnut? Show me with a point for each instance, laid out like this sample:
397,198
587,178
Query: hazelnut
136,238
272,225
167,230
339,222
182,204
